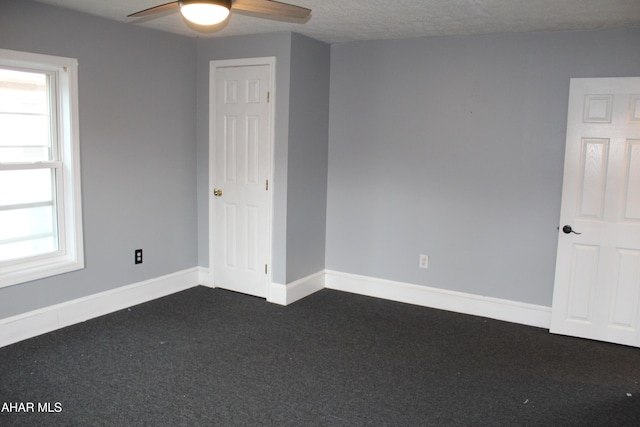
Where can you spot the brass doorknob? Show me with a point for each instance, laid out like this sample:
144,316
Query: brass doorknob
217,192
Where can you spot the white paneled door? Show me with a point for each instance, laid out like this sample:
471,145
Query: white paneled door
240,177
597,283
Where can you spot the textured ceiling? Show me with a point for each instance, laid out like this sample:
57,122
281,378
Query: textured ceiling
338,21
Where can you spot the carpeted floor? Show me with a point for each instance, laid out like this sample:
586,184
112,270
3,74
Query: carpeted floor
212,357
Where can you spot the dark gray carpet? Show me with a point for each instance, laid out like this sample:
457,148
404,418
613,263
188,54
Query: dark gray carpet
213,357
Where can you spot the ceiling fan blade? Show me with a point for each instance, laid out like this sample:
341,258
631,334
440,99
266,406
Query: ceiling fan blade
274,8
155,9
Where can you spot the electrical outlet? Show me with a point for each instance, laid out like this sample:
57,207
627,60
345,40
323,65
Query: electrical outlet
138,256
424,261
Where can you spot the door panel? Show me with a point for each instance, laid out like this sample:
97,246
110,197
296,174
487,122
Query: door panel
624,293
597,285
594,177
582,284
631,192
241,149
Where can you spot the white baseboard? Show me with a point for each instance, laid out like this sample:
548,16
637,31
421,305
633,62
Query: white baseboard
294,291
37,322
459,302
205,277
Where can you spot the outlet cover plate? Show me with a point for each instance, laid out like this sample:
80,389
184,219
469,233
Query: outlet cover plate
424,261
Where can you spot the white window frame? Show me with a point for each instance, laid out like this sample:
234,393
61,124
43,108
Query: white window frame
70,253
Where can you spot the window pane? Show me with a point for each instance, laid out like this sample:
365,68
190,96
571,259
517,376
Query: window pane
25,131
27,232
26,223
23,92
27,248
26,186
24,138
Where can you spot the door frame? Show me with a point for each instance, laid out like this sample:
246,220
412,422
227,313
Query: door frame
270,61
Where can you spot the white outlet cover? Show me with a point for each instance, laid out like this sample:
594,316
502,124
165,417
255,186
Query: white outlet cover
424,261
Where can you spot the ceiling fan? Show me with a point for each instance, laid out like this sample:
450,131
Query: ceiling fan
211,12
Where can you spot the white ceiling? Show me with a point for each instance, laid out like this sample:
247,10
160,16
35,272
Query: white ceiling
339,21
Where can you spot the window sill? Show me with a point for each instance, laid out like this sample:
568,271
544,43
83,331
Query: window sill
27,272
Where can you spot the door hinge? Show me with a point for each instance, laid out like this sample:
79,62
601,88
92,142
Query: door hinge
265,269
268,97
267,186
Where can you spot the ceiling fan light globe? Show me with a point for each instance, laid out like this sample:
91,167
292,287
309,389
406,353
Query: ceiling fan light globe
204,13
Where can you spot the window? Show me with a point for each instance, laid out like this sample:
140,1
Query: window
40,208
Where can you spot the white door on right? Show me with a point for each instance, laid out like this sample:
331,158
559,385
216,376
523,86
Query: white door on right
597,281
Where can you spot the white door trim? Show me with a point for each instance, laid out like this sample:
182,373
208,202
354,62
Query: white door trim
270,61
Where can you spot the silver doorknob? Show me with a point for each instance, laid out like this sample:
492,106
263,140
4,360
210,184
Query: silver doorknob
217,192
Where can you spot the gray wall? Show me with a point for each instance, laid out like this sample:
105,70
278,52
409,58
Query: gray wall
138,148
308,145
453,147
144,147
278,45
300,146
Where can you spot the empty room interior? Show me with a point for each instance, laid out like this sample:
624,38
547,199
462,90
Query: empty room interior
417,158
